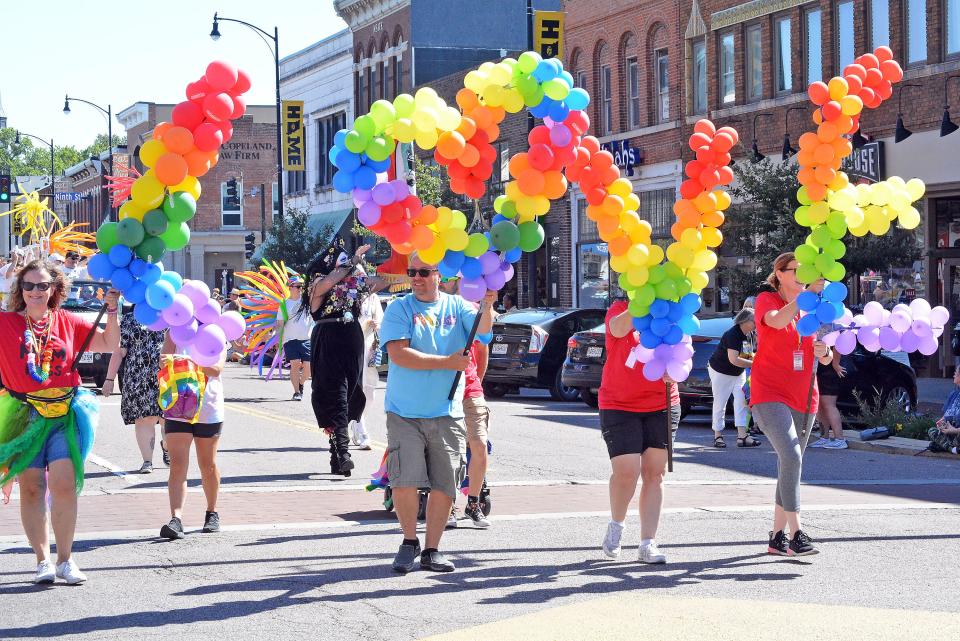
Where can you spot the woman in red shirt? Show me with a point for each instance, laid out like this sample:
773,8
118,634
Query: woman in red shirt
780,395
47,420
633,422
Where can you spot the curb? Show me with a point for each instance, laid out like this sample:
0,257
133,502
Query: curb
895,445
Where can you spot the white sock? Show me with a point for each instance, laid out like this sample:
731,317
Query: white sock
619,524
645,542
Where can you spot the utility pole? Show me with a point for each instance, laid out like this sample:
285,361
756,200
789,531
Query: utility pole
263,213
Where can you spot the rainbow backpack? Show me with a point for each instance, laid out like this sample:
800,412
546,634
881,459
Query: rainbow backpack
182,385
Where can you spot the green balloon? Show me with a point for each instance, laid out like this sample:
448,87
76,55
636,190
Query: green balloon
477,244
151,249
646,295
130,232
531,236
355,142
380,148
505,235
625,285
528,61
498,203
155,222
805,254
176,237
672,271
509,209
821,236
835,249
106,236
684,287
807,273
655,275
802,216
837,224
837,273
667,289
533,99
179,207
635,306
366,126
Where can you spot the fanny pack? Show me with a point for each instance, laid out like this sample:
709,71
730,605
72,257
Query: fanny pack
53,402
182,385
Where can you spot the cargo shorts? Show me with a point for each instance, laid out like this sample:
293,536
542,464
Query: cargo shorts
476,415
426,452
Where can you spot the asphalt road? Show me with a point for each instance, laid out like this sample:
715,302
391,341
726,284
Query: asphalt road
307,553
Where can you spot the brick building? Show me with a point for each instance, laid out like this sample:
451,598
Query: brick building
216,246
85,198
656,67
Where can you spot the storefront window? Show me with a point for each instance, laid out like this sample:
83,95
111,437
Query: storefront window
594,269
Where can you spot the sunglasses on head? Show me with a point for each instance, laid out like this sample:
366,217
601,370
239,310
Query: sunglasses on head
29,287
422,273
449,279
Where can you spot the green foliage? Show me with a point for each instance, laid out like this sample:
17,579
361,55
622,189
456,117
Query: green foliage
30,157
874,413
300,244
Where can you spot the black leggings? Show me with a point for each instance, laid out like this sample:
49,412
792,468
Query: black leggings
336,364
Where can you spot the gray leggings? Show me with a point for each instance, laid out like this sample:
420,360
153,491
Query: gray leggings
779,423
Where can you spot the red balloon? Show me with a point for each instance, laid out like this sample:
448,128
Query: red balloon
601,160
227,128
187,114
831,110
595,196
730,131
221,76
706,155
709,179
457,170
539,135
690,189
566,156
699,140
869,61
591,144
884,90
883,53
207,137
197,90
475,188
574,172
726,175
693,169
239,107
243,83
855,69
218,106
392,213
891,70
819,93
540,157
578,122
482,171
721,160
722,143
609,174
854,84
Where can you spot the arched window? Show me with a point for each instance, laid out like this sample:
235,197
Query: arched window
577,69
398,63
659,84
604,80
371,76
630,83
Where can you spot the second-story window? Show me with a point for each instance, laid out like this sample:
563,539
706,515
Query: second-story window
916,30
844,34
783,65
754,60
951,35
606,107
814,62
662,63
879,24
699,77
728,87
633,91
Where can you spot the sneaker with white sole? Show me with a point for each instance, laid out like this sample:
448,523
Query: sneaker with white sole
820,442
650,553
475,513
46,573
611,541
452,521
837,444
70,572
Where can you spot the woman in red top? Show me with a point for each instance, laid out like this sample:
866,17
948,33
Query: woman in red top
633,422
47,420
780,395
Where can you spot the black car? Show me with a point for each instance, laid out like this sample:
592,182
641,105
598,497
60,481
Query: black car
885,375
529,346
84,300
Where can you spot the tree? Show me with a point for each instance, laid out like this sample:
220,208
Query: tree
300,243
31,158
762,226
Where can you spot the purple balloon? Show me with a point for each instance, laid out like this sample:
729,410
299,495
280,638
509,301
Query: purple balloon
899,320
921,327
871,344
489,261
679,370
846,342
682,351
928,345
197,291
400,189
369,213
909,342
202,359
210,341
361,196
889,339
495,280
663,352
383,194
208,312
232,324
507,269
654,370
183,335
473,289
180,312
158,325
560,135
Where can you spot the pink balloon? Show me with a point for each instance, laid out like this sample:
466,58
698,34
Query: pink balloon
243,83
184,334
239,107
221,76
232,324
226,127
218,107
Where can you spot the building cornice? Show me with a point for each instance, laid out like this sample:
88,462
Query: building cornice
361,13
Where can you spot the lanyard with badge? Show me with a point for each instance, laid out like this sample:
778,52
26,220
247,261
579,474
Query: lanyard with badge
798,353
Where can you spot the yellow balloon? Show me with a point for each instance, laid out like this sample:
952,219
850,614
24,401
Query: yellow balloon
403,130
638,255
433,254
818,212
880,193
455,239
632,202
620,187
449,119
838,88
629,221
863,195
723,200
909,218
541,205
190,185
679,255
879,226
692,239
637,276
131,209
147,191
916,189
698,280
426,139
704,260
712,237
656,255
513,191
150,151
620,264
526,206
851,105
525,218
860,230
854,217
457,220
513,101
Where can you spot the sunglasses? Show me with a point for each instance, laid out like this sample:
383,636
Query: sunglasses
296,286
422,273
29,287
790,269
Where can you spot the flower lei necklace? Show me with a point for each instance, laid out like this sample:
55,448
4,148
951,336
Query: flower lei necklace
36,338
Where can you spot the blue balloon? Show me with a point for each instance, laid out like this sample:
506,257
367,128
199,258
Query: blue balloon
642,324
378,166
513,255
446,271
151,273
145,314
808,325
100,267
649,340
835,292
839,308
674,336
545,71
136,293
340,138
122,279
365,177
175,280
498,218
808,301
676,311
659,308
567,77
578,99
540,111
159,295
343,182
691,303
689,325
120,255
826,312
348,161
557,66
454,258
332,155
660,326
471,268
559,112
137,267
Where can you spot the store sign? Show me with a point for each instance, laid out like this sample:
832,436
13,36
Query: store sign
624,156
293,135
866,163
548,34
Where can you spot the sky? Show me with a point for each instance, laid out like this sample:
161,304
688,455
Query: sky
119,52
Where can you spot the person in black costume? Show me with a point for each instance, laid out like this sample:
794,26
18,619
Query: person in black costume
338,286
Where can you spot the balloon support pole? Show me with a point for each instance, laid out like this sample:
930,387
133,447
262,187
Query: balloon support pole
86,342
466,350
669,430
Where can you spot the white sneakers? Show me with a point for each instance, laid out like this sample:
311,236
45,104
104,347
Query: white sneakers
359,435
611,542
650,553
69,571
830,444
820,442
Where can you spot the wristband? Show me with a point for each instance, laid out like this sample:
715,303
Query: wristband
113,311
108,379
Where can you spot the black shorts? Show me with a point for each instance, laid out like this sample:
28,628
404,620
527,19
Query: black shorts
197,430
297,350
828,381
634,432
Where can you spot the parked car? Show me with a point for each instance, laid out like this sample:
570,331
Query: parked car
529,347
887,375
83,300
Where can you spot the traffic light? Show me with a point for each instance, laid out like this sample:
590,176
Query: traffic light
232,195
248,245
4,189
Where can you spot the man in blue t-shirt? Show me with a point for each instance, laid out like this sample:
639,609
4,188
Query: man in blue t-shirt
426,333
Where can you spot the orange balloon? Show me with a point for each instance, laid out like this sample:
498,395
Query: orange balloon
498,113
170,169
594,212
199,162
824,174
817,117
428,215
823,154
619,246
519,164
470,156
160,129
809,141
608,224
836,162
482,116
531,182
839,182
612,206
844,124
178,140
705,202
467,127
684,206
467,99
713,218
450,144
806,175
805,156
816,191
842,147
493,132
676,230
421,237
689,219
404,249
827,132
554,184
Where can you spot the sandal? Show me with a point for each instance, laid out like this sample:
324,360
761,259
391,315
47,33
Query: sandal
719,443
754,431
743,442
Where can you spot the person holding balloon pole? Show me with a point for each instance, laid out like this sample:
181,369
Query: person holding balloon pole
784,395
633,413
47,419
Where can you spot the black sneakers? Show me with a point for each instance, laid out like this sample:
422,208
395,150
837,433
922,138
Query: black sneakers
801,544
435,562
476,515
406,558
172,530
212,522
778,544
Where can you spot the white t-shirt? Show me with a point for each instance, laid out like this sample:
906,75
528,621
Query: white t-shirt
211,411
371,316
74,273
298,326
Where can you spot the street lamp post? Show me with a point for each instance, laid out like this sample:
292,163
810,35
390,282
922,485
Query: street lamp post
215,35
109,113
53,175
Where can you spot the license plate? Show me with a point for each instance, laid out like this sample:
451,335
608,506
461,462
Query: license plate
499,348
86,357
594,352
